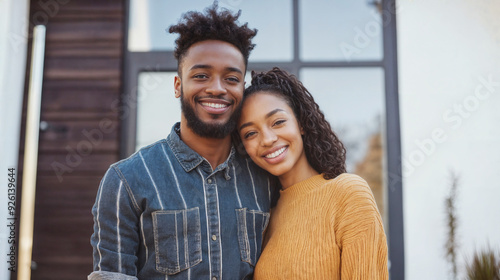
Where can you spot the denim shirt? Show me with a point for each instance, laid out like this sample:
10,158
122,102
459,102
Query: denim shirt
163,213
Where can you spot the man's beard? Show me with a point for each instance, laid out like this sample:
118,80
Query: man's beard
208,130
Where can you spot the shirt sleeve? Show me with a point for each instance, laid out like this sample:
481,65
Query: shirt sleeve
115,240
361,234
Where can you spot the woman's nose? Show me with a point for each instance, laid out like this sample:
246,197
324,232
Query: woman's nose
269,137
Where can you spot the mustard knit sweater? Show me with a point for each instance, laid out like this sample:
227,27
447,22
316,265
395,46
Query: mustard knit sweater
325,229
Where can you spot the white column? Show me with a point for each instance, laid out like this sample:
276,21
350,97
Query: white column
13,50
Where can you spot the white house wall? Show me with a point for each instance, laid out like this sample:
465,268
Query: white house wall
449,77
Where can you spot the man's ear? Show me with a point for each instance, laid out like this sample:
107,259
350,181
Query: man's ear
177,86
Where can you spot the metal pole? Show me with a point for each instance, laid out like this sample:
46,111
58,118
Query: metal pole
31,154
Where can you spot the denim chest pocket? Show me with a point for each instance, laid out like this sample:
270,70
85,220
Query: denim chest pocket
177,238
251,227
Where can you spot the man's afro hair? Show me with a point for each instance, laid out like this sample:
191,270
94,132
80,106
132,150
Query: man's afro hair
196,27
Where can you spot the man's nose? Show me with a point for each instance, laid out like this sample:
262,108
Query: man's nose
216,87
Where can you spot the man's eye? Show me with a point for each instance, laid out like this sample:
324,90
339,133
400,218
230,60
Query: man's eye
233,79
200,76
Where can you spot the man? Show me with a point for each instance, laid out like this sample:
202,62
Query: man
188,206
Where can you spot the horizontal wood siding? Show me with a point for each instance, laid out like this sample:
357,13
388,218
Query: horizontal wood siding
81,94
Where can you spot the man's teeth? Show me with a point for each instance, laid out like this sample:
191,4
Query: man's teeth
214,105
277,153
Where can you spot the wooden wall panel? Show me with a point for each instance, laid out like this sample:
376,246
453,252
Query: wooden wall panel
80,96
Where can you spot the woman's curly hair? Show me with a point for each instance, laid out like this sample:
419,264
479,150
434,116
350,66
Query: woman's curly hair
213,25
323,149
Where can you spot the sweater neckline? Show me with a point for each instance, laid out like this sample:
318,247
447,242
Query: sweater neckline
304,186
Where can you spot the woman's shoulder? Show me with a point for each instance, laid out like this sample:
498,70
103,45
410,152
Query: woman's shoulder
348,182
353,200
348,187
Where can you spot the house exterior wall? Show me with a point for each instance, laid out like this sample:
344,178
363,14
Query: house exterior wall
13,46
80,100
449,52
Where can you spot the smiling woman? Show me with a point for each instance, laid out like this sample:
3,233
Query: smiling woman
273,139
323,213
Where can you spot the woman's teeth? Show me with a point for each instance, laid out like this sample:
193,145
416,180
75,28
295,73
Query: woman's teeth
277,153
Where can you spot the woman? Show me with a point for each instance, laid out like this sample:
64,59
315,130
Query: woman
326,224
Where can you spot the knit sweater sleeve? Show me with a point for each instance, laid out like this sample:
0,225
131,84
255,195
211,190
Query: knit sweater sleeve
360,232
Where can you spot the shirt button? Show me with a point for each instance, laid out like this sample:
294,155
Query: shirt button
209,181
214,237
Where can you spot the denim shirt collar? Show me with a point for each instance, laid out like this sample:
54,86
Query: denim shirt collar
190,159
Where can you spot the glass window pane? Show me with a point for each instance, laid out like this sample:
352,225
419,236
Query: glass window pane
157,108
150,18
274,40
340,30
352,100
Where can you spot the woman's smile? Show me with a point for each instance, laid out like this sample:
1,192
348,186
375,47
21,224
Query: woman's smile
272,155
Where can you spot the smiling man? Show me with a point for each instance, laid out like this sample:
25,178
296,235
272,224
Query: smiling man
211,89
189,206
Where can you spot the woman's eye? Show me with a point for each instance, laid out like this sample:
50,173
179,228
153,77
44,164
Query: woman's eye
278,122
248,134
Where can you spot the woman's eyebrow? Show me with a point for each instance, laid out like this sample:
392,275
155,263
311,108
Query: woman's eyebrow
274,112
267,116
245,125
